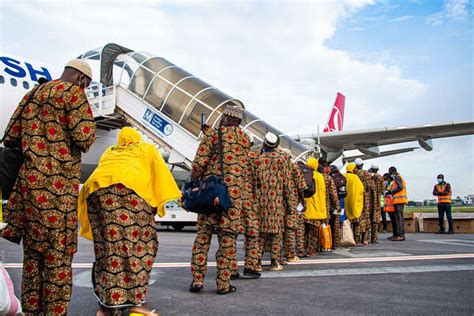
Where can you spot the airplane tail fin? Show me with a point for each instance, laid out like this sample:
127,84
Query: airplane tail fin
336,118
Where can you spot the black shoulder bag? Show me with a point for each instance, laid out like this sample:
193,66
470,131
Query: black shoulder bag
11,159
210,195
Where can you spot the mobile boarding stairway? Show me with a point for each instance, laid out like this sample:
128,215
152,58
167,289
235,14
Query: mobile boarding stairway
166,104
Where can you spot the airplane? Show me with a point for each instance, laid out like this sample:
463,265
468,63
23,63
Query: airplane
17,76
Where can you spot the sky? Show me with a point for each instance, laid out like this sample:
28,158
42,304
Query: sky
399,63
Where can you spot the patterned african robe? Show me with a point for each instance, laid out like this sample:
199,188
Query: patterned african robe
296,184
369,186
272,169
377,192
332,200
53,131
235,146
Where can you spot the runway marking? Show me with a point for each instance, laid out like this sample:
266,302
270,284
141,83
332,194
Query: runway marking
455,242
301,262
366,271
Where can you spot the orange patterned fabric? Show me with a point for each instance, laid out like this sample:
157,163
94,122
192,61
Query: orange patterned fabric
235,146
53,131
272,190
125,245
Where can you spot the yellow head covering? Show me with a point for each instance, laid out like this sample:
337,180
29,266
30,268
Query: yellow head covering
127,136
354,201
138,166
316,205
350,167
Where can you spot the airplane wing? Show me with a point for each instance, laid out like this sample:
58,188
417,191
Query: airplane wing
368,141
382,154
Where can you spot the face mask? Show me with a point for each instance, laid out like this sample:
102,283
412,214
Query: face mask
440,180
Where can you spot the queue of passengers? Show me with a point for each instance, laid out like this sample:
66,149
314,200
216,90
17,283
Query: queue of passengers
278,205
283,207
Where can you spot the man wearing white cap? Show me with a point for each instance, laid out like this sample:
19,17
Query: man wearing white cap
376,197
52,125
272,190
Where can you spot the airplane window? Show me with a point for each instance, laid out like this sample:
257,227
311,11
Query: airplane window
26,85
13,82
2,80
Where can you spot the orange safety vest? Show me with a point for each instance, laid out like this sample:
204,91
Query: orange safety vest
388,206
443,199
401,196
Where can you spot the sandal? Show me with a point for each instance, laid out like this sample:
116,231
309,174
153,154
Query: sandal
195,287
139,313
231,289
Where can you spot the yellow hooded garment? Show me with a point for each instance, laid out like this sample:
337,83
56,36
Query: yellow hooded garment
354,201
138,166
316,205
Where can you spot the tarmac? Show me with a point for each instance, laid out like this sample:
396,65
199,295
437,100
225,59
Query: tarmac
426,275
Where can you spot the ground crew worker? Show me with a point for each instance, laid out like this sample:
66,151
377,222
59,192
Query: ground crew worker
376,196
316,211
272,188
398,190
340,182
443,191
55,127
368,191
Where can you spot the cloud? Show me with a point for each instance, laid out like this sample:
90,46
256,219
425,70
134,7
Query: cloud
455,10
272,56
402,18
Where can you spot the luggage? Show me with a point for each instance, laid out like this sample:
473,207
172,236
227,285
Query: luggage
347,234
309,179
209,196
341,185
325,237
11,160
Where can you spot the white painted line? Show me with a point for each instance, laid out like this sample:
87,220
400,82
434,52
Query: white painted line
455,242
366,271
301,262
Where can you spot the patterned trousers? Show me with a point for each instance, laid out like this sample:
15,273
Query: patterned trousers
312,237
356,229
225,255
336,230
125,245
289,240
300,248
251,252
274,243
46,283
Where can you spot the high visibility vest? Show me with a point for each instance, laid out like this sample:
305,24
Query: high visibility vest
388,206
443,199
401,196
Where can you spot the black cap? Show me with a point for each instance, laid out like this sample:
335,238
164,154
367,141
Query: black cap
440,176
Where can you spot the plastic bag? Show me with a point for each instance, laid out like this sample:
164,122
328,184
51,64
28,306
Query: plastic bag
9,304
347,234
325,237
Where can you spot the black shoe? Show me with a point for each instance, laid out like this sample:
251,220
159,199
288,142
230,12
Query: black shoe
231,289
439,232
195,288
250,274
450,232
